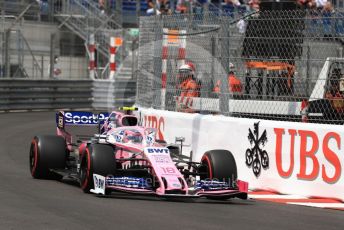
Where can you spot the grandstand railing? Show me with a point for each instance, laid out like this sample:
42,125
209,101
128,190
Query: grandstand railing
85,18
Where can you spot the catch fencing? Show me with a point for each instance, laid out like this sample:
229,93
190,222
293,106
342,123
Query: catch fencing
287,65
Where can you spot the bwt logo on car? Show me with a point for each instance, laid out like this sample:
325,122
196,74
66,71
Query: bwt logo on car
157,150
84,118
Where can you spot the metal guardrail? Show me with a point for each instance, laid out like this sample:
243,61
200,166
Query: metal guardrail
111,94
25,94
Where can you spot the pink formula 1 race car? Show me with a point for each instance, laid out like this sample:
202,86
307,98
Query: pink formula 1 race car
128,158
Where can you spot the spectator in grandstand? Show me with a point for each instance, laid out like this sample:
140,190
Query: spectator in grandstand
164,7
234,83
101,5
232,2
312,4
151,6
181,6
189,87
254,5
327,19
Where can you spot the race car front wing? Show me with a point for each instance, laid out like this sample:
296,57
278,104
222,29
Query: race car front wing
140,186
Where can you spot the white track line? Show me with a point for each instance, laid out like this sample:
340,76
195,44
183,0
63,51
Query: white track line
319,205
271,196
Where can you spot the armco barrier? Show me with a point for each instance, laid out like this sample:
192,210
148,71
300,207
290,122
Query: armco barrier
25,94
291,158
110,94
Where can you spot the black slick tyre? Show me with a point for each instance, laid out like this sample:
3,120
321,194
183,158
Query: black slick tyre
47,152
97,159
220,165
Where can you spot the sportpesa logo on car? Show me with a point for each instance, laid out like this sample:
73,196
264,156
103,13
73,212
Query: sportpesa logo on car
84,118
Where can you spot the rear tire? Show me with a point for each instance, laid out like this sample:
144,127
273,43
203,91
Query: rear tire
97,159
220,165
46,153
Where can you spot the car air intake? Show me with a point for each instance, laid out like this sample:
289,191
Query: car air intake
129,121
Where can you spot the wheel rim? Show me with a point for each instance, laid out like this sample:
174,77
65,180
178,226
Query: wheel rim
85,171
205,160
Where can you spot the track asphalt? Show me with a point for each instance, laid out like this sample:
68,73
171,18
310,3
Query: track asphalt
27,203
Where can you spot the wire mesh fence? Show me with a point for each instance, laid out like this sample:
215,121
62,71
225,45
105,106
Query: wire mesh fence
284,65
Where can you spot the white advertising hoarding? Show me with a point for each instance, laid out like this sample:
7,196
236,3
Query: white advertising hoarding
287,157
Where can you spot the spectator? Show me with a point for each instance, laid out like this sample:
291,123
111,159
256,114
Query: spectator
181,7
101,5
164,6
312,4
234,83
233,2
152,8
327,20
188,86
254,5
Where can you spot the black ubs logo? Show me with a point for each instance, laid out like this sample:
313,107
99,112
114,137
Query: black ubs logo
255,156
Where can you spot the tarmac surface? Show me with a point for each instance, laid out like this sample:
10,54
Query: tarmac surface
27,203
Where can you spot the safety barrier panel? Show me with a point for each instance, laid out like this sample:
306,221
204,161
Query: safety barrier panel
109,94
287,157
25,94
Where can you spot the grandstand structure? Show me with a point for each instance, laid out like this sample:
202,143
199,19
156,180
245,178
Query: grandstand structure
34,33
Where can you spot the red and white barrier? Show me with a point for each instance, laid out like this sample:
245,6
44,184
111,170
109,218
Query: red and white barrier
187,102
288,157
171,38
112,60
92,57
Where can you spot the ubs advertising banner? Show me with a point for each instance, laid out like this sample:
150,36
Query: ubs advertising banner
287,157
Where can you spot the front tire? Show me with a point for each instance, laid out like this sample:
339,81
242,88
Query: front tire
97,159
46,153
220,165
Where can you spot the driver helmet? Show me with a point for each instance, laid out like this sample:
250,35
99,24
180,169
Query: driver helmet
132,136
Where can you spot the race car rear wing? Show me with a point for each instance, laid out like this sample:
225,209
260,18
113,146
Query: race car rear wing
78,118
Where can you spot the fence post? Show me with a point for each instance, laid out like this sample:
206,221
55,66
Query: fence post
164,57
7,54
223,96
182,48
138,11
112,58
308,80
119,9
92,49
51,67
